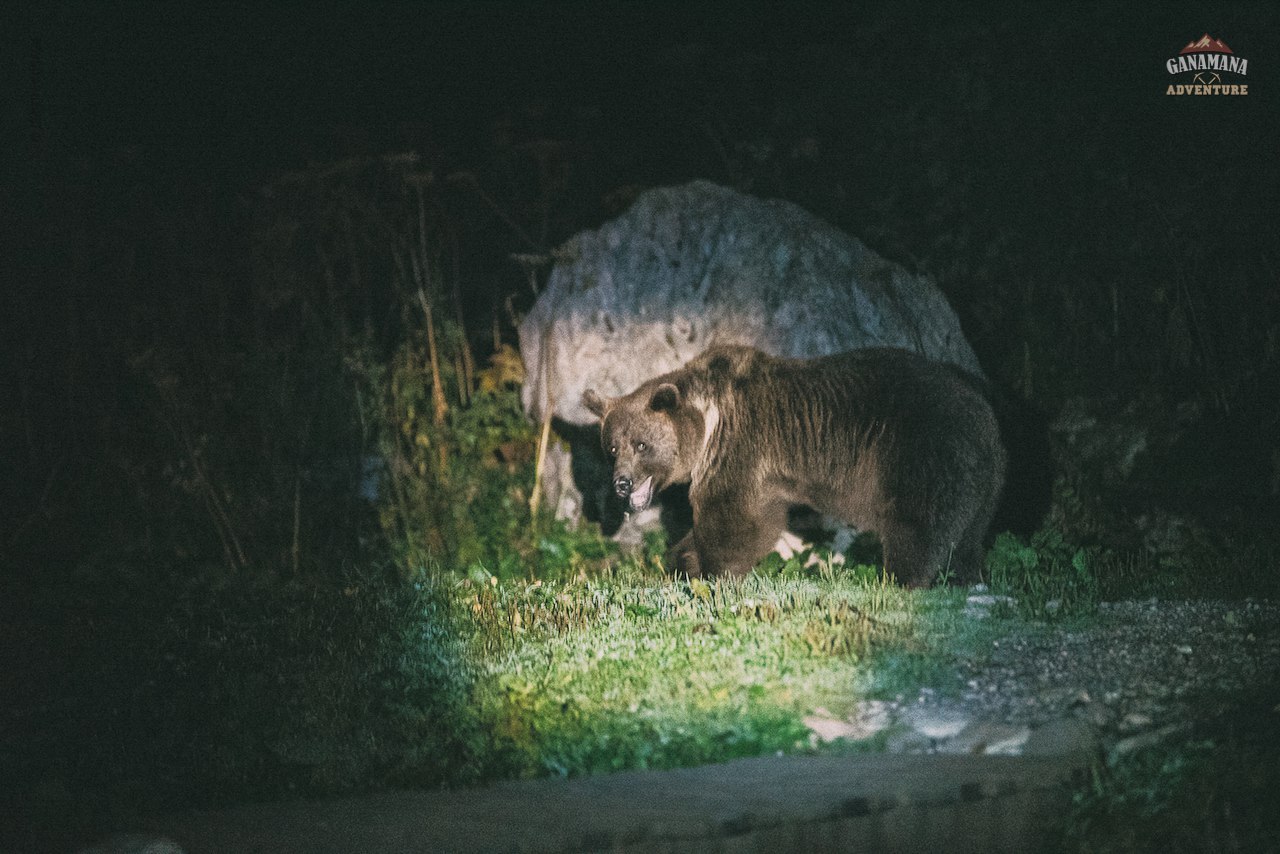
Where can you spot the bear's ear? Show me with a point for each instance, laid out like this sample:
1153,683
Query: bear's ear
665,399
594,402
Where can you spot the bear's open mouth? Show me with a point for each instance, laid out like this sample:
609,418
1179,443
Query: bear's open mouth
642,495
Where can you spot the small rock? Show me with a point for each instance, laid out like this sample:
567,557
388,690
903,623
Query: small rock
979,606
869,718
1100,716
1136,720
988,738
824,729
1135,743
986,600
935,722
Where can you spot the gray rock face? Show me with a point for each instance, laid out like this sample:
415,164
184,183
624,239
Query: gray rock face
696,265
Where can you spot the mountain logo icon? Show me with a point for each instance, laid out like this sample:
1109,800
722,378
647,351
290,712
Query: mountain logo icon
1206,44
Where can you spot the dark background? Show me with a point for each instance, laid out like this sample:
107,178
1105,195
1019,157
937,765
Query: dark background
1101,242
1096,236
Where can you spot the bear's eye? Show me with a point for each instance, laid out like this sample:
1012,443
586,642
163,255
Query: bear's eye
613,450
641,446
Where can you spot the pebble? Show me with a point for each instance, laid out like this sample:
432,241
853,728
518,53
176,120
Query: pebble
989,738
1127,746
1136,720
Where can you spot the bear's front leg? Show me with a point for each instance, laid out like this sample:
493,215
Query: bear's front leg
682,558
730,537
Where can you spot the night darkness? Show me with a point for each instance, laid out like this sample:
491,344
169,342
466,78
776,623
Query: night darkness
208,325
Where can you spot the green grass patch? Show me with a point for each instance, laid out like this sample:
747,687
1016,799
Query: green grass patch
634,670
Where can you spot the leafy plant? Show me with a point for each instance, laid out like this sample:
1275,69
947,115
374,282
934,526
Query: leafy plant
454,486
1046,577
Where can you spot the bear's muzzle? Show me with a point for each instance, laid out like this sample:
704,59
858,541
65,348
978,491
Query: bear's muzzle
622,486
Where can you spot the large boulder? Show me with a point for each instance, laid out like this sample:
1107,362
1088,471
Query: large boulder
691,266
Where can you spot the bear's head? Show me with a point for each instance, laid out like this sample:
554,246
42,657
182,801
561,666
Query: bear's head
647,434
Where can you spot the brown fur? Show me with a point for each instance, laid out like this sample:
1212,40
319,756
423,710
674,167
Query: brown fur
883,439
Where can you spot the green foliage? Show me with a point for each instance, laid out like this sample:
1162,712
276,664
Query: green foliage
458,480
457,488
1213,789
1047,577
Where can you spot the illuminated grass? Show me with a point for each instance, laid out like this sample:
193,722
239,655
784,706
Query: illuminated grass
638,671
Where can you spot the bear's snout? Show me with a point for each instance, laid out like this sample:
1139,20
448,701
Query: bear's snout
622,485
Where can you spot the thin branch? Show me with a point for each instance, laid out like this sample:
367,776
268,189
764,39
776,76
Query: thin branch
468,361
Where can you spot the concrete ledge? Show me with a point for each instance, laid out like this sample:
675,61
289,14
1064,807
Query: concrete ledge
877,802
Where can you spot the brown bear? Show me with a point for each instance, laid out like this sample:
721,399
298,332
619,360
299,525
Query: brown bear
882,439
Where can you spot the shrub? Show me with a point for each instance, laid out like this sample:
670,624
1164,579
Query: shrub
1046,577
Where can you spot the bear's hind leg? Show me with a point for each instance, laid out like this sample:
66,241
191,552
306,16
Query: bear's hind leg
966,562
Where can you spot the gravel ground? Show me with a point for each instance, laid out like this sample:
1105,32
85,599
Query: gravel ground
1143,664
1142,672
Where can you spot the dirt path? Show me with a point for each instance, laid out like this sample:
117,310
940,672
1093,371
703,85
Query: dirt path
876,802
